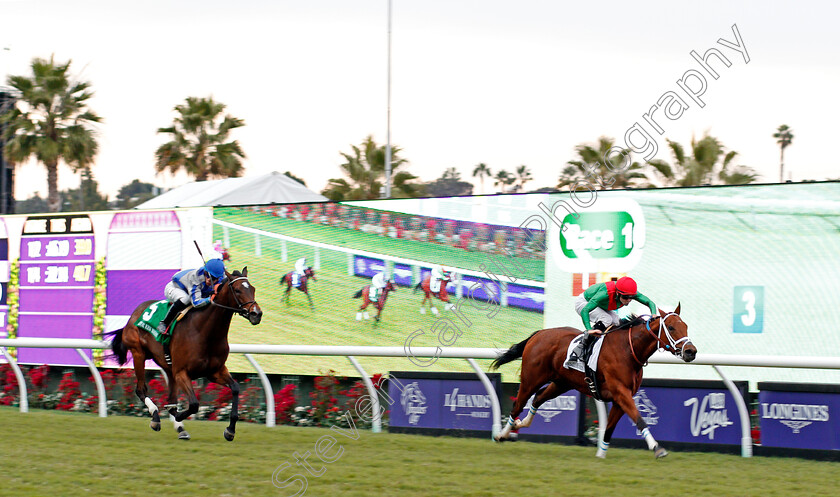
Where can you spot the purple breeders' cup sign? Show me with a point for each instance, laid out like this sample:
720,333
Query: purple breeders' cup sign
441,401
804,420
412,407
134,273
521,296
692,415
4,278
558,416
57,274
367,267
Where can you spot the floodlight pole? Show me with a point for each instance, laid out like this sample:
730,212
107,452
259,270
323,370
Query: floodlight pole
388,134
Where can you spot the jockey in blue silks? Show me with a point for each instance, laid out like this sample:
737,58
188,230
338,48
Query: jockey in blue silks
191,286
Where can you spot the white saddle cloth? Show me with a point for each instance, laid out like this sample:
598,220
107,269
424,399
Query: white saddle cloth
577,364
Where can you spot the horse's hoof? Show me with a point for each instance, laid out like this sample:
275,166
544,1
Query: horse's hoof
660,452
422,311
229,435
183,435
155,425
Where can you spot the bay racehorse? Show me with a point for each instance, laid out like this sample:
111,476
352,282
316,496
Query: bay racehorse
198,348
303,285
429,295
379,304
625,350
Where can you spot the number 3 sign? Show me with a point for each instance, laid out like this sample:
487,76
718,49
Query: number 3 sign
748,309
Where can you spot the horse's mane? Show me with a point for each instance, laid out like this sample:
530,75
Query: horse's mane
236,273
630,321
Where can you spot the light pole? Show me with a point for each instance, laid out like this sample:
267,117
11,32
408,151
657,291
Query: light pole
388,132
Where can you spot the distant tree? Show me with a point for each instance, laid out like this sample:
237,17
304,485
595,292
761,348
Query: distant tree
135,193
33,205
299,180
51,122
481,171
784,137
84,198
364,175
503,180
523,175
592,166
448,185
708,163
200,143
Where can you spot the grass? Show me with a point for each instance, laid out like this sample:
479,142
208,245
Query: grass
68,454
333,319
534,269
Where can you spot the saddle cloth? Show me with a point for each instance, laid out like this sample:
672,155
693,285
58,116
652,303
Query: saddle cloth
153,315
575,351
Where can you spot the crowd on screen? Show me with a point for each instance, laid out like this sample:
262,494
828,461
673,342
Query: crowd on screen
461,234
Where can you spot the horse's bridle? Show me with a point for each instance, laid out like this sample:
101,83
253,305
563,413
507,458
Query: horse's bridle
242,307
671,346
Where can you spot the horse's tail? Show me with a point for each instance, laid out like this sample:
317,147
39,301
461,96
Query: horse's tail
511,354
418,286
120,351
358,294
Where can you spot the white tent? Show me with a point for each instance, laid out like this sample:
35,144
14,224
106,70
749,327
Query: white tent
271,188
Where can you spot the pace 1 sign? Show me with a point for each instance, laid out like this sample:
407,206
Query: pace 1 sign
607,237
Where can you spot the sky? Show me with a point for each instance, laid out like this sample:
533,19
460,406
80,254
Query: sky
505,83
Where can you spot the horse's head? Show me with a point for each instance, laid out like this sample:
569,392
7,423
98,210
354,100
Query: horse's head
673,334
391,287
237,294
310,273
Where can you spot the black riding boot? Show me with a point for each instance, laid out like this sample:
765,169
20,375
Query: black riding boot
588,337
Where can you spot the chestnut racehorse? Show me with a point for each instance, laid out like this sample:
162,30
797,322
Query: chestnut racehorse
364,294
198,348
303,287
624,352
429,295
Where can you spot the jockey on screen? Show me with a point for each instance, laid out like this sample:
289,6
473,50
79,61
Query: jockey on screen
299,272
439,274
377,284
600,301
191,286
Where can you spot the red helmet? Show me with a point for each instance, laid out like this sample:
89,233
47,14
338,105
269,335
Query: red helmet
626,286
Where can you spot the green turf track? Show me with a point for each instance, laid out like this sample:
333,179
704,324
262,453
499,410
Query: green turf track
333,320
46,453
531,269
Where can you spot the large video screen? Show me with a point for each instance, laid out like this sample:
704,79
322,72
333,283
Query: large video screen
755,269
348,244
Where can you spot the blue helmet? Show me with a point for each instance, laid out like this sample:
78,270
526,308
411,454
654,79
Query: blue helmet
215,268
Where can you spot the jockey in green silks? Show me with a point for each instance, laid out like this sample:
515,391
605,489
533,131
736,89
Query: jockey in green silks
600,301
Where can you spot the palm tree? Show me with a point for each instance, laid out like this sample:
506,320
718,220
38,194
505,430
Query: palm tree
708,163
592,167
523,175
784,137
51,122
503,179
199,142
364,174
482,171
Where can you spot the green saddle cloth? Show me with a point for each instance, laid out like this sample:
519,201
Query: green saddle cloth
151,318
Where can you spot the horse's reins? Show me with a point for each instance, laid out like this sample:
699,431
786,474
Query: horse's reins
241,309
671,346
